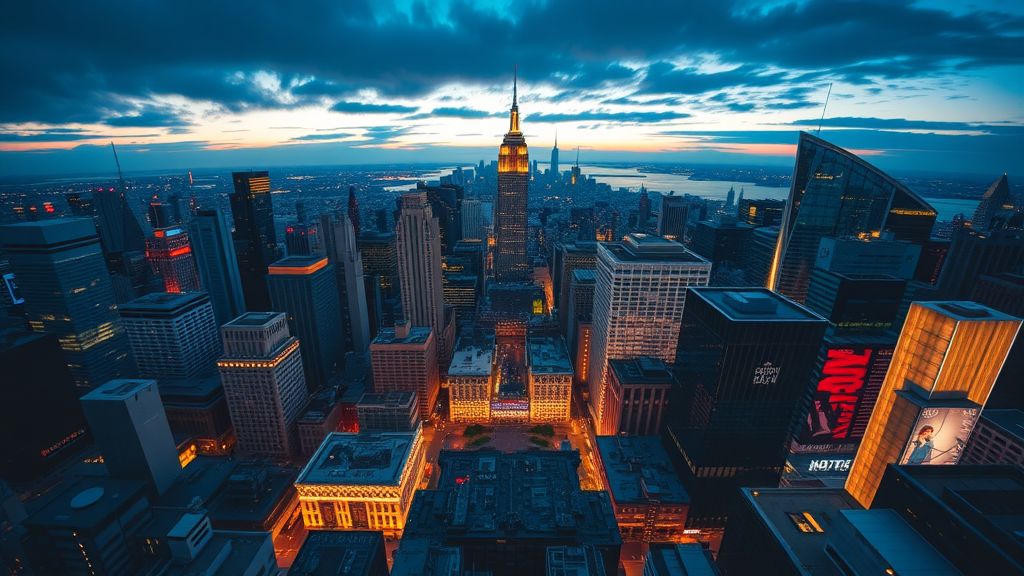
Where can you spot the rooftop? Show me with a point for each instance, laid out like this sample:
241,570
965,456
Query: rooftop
669,559
371,459
650,248
227,552
548,356
337,552
642,370
47,232
785,512
254,319
754,304
190,389
964,311
891,540
87,503
575,561
297,265
416,336
638,469
389,400
163,302
487,495
584,275
118,389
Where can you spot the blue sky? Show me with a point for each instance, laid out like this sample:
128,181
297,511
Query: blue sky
931,85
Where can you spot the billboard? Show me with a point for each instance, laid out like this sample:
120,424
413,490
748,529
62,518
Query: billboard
939,435
847,387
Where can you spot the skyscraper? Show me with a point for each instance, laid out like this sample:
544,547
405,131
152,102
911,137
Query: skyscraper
262,374
673,215
353,211
340,242
255,237
67,291
170,255
974,253
744,360
404,359
572,257
131,431
380,258
173,336
472,219
214,252
419,267
119,228
644,214
996,198
836,194
554,160
945,364
302,239
446,204
510,262
305,287
638,306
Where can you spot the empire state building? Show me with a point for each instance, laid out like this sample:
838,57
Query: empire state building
510,263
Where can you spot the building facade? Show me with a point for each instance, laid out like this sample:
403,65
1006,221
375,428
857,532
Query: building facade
404,359
391,412
997,439
639,395
419,268
342,253
172,335
306,289
170,254
255,237
943,369
67,290
471,379
549,378
217,263
263,382
638,307
362,482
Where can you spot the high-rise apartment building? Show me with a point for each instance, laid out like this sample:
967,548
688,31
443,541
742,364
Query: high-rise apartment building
66,286
263,382
581,304
724,242
510,205
745,357
305,288
638,307
835,194
472,220
673,216
405,359
446,204
945,364
572,257
255,237
173,336
130,427
340,244
419,268
380,258
214,250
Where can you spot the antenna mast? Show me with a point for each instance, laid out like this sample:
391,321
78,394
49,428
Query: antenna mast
823,109
120,178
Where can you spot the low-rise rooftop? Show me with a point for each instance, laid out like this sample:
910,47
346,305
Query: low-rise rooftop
650,248
360,459
548,356
341,553
638,470
474,356
417,336
643,370
753,304
163,303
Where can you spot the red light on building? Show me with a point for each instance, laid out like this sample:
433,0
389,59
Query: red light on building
49,207
179,251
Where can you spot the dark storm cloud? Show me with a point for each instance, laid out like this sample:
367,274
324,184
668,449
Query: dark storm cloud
361,108
79,61
148,119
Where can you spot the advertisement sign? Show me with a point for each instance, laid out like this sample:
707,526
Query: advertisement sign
844,397
939,436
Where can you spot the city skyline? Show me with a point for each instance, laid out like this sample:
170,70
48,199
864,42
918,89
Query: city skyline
651,85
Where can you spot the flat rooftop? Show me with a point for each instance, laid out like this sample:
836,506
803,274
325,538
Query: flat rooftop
782,511
417,336
892,539
474,356
394,399
47,232
254,319
753,304
584,275
190,389
227,552
163,302
488,495
668,559
638,470
650,248
87,503
641,371
548,356
339,552
118,389
966,311
360,459
297,265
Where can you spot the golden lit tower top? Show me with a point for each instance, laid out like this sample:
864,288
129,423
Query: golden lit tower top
510,205
513,156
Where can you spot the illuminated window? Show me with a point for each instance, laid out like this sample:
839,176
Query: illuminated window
805,522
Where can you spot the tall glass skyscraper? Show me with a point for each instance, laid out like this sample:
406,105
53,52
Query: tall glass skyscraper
255,238
419,267
218,266
67,291
510,262
836,194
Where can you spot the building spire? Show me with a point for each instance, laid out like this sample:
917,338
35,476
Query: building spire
513,126
515,80
556,136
